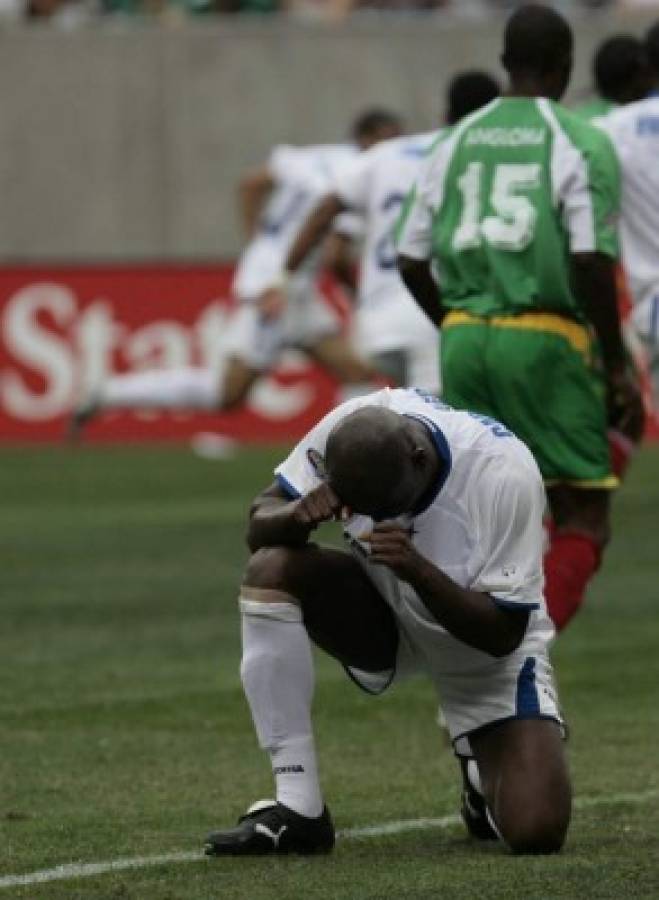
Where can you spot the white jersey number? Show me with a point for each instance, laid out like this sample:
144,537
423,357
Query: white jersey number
385,248
513,226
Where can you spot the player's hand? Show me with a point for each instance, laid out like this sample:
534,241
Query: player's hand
391,545
319,505
625,404
272,303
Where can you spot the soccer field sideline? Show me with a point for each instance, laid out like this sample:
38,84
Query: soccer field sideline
88,870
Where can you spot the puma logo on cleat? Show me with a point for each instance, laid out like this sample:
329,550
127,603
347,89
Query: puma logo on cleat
263,829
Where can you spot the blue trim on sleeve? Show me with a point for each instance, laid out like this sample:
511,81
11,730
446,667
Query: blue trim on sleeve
287,487
514,604
527,702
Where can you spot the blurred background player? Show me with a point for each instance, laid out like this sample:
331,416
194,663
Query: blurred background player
619,74
634,131
275,200
518,207
390,329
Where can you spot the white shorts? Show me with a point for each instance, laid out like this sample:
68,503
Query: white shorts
401,326
475,689
307,319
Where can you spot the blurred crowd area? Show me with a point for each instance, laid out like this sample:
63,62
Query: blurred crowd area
69,13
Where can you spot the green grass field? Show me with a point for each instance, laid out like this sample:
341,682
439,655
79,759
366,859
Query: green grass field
124,733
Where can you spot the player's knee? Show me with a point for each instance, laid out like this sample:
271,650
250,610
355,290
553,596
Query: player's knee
268,568
536,833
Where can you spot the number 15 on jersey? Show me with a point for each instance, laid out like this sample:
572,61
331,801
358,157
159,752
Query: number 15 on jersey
511,226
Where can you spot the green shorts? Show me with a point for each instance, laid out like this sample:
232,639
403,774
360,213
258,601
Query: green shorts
535,373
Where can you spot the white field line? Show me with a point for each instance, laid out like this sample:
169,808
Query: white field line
85,870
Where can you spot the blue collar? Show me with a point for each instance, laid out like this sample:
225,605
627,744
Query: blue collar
444,455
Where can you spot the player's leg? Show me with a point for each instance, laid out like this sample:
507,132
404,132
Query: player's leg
424,367
507,731
400,341
251,347
287,597
580,532
525,781
410,365
237,380
335,353
316,328
563,420
394,365
187,387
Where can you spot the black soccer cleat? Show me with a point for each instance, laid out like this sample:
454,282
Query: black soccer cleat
270,827
81,416
474,814
473,808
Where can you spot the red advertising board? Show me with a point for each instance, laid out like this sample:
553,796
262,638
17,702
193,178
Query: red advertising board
63,330
66,329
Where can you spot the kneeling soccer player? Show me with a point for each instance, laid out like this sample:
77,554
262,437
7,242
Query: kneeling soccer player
442,514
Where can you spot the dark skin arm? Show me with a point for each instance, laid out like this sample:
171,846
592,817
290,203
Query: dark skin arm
253,191
470,616
338,259
417,276
314,230
595,285
275,520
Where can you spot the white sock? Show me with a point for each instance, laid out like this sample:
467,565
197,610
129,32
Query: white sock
185,388
278,678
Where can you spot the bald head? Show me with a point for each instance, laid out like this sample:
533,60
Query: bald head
380,463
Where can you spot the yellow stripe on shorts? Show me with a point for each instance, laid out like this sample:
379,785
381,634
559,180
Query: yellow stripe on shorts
608,483
577,335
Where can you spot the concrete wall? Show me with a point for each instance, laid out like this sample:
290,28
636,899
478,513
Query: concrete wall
125,141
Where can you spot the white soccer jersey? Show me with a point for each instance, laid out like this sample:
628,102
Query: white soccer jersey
375,184
302,176
482,528
634,131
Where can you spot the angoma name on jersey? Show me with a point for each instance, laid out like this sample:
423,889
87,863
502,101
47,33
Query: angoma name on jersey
505,198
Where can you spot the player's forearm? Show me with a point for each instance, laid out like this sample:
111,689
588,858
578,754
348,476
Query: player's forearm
272,524
337,258
250,204
314,229
595,284
470,616
253,191
418,280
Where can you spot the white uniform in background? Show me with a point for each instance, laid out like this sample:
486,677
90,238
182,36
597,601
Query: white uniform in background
302,176
375,185
634,131
482,528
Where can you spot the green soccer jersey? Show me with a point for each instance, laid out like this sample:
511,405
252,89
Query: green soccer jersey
503,201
